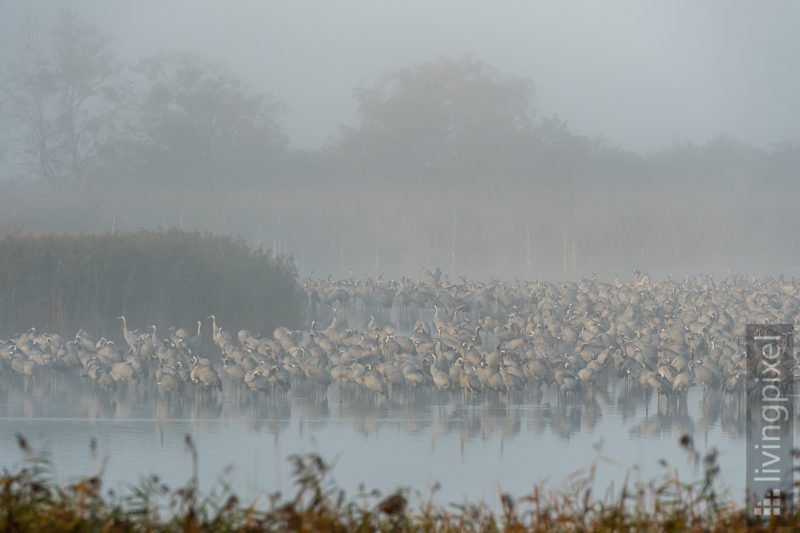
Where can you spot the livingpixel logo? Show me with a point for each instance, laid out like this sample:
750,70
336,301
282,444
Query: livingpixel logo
770,420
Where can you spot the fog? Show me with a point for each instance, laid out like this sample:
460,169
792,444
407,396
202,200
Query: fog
638,136
490,236
637,75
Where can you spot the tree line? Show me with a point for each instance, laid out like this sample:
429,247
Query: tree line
73,112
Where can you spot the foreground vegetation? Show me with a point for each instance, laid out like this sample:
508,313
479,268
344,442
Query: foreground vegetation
62,282
31,501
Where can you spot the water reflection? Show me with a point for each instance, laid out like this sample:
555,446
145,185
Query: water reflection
415,437
414,411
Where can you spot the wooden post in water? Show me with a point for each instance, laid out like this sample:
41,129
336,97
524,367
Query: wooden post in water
275,236
378,248
113,223
278,230
574,262
453,243
13,307
528,239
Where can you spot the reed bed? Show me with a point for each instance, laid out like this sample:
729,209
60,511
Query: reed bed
31,501
61,282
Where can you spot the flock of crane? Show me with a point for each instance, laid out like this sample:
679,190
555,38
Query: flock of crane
483,338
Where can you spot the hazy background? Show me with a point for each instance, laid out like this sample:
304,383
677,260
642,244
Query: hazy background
561,139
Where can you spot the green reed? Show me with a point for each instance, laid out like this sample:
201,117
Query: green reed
61,282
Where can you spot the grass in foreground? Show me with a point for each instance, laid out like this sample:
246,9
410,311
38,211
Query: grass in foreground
31,501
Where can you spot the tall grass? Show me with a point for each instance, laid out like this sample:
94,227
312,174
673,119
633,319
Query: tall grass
31,501
62,282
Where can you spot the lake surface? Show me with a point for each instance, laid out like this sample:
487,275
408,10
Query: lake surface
418,438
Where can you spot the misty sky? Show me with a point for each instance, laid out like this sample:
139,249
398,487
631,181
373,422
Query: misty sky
640,74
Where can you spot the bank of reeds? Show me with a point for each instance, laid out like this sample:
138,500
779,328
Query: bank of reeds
31,501
62,282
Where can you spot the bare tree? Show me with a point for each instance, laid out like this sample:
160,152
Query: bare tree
61,102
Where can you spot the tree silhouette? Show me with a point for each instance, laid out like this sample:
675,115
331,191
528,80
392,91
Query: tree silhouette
63,103
200,121
448,116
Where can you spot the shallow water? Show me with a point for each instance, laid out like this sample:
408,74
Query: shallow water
471,449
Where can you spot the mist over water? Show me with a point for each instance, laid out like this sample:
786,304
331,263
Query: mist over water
534,234
564,148
518,230
420,442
